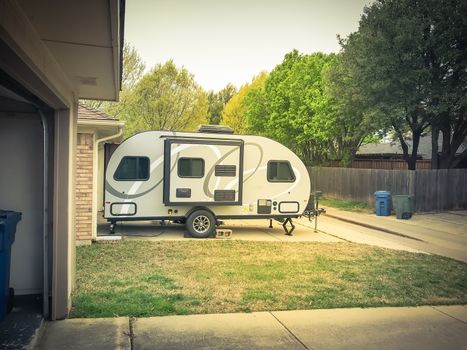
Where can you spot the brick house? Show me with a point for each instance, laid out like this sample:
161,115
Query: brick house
95,128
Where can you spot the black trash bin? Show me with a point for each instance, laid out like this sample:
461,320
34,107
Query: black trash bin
8,221
403,205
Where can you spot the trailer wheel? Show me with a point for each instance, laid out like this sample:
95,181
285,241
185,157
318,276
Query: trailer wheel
201,224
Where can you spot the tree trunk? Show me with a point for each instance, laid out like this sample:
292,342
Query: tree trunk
415,142
456,141
459,159
446,151
405,148
434,146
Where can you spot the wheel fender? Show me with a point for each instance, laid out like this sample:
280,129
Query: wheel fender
192,210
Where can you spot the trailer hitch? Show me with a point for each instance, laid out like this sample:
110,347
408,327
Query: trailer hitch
312,210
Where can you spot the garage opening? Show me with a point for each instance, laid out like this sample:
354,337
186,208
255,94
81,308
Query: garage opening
26,130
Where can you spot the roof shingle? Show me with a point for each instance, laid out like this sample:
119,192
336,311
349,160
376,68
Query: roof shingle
86,112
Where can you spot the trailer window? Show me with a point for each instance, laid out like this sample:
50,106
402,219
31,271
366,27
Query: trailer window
280,171
132,169
190,167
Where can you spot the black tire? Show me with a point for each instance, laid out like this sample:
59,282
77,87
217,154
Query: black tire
201,224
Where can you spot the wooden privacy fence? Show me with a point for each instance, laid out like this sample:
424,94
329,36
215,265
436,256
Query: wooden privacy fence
433,190
382,164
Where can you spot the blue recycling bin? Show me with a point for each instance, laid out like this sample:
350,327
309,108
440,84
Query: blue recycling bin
8,221
383,203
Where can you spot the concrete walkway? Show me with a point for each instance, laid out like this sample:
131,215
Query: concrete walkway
437,327
441,233
356,233
453,223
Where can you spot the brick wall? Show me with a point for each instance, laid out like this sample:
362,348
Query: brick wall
84,158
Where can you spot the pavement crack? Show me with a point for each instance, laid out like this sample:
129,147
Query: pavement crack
444,313
290,332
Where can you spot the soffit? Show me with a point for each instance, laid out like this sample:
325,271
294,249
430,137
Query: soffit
83,38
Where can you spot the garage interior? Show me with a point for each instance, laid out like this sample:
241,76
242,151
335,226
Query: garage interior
26,131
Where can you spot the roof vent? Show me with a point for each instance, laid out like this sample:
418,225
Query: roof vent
91,81
215,129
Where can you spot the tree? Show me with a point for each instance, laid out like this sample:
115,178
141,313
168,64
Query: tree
256,110
352,120
447,60
133,67
409,63
217,102
133,70
294,108
167,98
234,113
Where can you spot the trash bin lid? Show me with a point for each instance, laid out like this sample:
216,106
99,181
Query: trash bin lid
382,193
8,217
9,214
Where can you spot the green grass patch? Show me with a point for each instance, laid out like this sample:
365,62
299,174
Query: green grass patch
143,278
348,205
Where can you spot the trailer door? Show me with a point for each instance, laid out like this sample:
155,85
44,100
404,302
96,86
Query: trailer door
203,171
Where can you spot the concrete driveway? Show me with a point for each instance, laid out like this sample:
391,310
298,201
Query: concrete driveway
438,327
252,230
443,234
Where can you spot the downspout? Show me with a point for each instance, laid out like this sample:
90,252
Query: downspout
45,217
107,138
95,174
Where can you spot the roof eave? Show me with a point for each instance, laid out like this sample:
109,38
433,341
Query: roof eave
95,122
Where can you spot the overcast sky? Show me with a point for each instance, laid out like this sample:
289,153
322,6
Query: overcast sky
230,41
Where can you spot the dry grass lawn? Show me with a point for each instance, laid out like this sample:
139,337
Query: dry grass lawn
142,278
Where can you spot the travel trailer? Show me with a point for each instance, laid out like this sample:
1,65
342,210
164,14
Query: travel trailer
203,177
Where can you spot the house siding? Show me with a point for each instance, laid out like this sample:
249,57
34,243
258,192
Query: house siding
84,187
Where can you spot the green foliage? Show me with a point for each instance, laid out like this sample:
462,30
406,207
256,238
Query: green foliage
293,108
256,110
407,63
133,67
347,205
352,121
133,70
217,102
234,113
167,98
404,72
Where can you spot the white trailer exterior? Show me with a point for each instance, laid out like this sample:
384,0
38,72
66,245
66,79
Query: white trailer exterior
198,178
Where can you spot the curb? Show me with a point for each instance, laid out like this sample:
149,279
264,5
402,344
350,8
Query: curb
373,227
34,341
